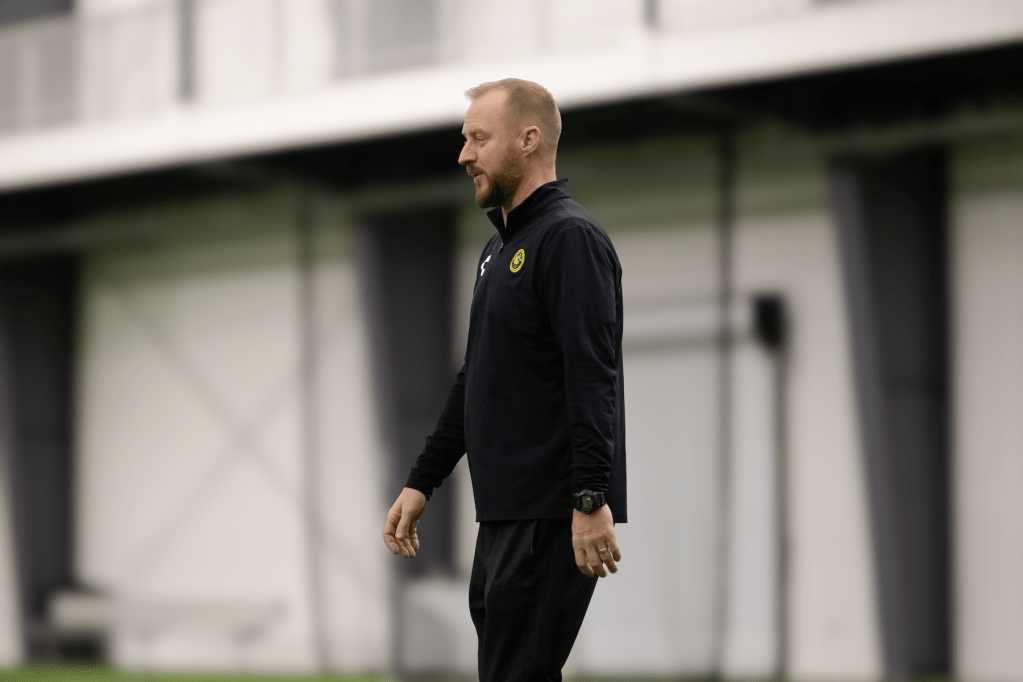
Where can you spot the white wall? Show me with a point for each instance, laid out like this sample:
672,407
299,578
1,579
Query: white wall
128,59
191,482
353,473
786,242
190,476
662,613
987,332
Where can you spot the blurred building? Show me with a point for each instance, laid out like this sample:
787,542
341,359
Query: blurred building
236,258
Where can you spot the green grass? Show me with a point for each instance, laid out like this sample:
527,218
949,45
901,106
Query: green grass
71,673
96,674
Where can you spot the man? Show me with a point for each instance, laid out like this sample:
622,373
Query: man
539,404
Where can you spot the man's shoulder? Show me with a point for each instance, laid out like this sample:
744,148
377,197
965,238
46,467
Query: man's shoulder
568,221
567,216
571,232
568,212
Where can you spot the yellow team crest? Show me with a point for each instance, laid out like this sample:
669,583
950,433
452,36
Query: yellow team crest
517,260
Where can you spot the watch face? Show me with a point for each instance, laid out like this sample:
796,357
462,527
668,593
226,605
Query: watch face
586,503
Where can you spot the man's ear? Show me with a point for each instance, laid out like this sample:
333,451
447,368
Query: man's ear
530,140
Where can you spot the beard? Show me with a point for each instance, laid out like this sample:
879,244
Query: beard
497,188
493,192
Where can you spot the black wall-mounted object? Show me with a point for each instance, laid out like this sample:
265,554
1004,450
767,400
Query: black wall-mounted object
769,320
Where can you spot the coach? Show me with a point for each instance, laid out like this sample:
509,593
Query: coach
539,403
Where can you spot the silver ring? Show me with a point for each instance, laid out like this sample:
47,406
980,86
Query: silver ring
603,550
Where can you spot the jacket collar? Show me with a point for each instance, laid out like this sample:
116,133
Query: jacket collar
536,202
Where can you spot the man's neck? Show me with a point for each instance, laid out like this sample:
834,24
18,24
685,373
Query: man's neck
529,184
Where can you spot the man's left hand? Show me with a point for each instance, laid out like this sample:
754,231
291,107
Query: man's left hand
593,539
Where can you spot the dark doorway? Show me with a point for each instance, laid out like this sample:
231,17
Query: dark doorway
12,11
37,308
409,268
891,215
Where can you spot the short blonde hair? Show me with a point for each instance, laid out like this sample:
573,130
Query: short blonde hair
530,103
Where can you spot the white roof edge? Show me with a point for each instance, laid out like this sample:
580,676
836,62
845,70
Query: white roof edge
642,64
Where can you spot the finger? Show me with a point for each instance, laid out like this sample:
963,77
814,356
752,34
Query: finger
402,536
580,561
414,535
392,545
593,559
615,551
411,538
390,526
605,556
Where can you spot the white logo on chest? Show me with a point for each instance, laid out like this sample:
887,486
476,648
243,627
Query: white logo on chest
482,267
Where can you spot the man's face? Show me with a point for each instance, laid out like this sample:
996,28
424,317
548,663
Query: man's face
489,150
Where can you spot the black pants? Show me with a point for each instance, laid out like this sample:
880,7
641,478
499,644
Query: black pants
527,599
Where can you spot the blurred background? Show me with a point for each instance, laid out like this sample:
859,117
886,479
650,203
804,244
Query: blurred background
236,260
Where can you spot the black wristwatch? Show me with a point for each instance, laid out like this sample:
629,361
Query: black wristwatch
588,501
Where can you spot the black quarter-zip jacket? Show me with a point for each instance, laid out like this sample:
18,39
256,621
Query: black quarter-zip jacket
539,404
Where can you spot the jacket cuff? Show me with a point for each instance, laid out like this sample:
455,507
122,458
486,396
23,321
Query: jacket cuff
419,484
592,486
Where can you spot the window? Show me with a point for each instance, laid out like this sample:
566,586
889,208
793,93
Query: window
381,35
38,80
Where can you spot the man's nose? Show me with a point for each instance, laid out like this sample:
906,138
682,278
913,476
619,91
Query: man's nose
465,156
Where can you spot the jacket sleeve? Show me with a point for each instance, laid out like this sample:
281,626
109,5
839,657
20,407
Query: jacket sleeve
580,283
445,446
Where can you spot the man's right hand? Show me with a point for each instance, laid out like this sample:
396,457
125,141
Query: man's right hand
400,528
